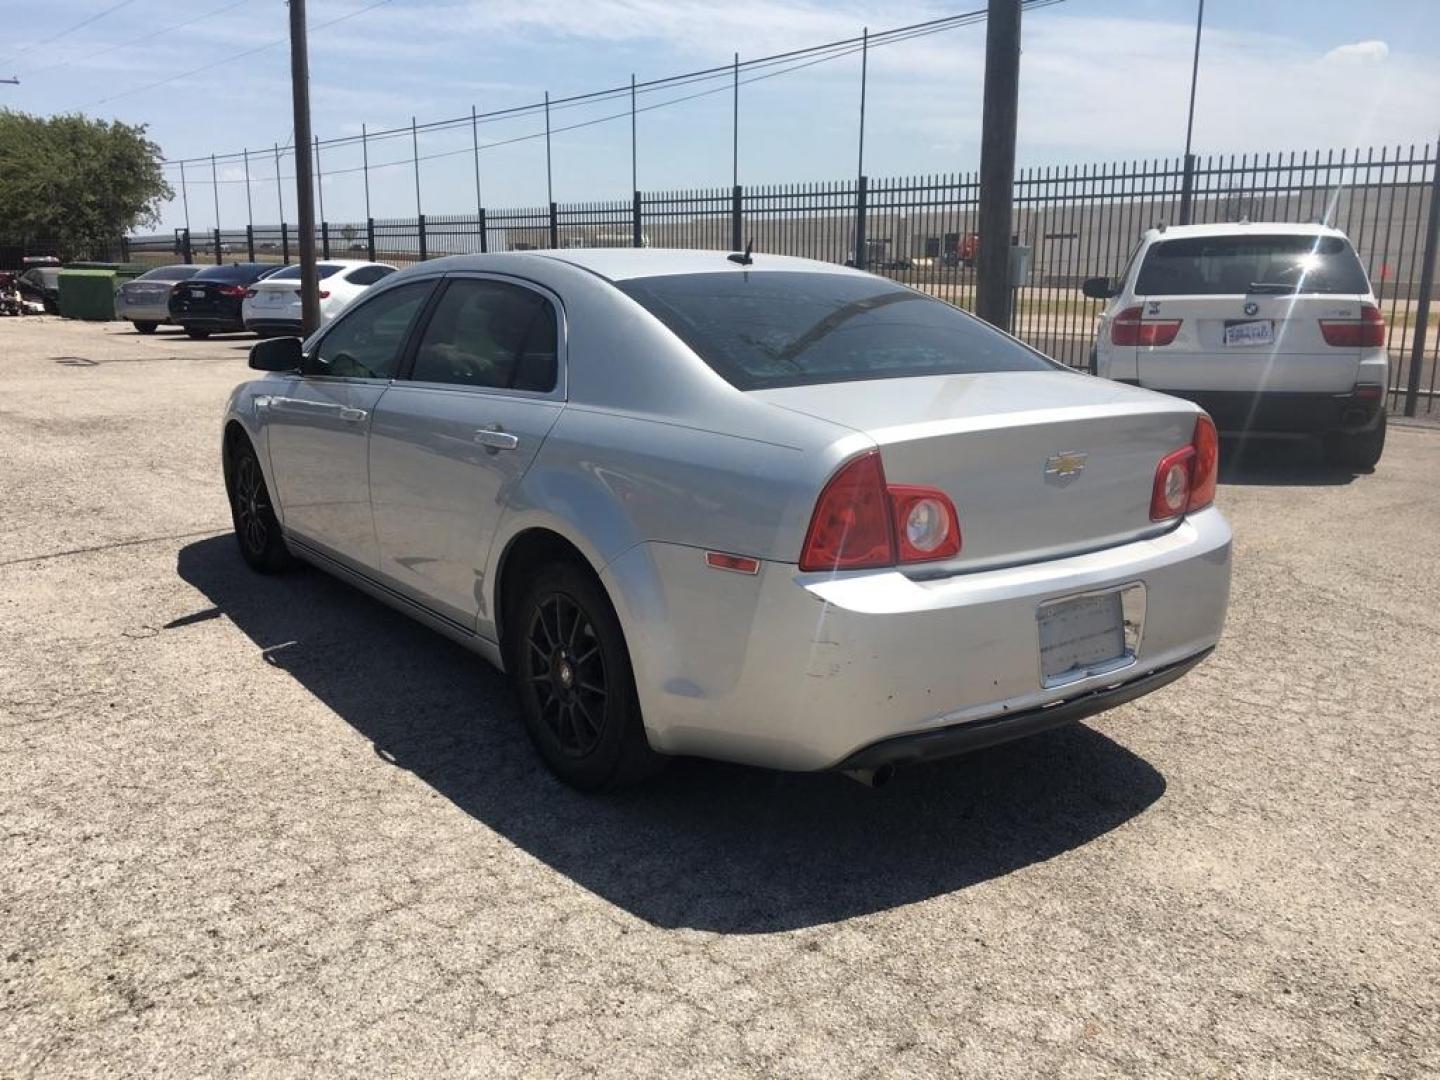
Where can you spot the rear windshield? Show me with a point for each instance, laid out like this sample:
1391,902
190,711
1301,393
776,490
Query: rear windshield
760,330
169,273
292,273
242,272
1207,265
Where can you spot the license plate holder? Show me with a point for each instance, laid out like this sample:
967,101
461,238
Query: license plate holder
1089,634
1249,332
197,294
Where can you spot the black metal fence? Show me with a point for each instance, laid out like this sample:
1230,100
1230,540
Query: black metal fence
1077,222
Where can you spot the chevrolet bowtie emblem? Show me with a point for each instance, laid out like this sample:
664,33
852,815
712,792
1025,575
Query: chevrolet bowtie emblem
1064,466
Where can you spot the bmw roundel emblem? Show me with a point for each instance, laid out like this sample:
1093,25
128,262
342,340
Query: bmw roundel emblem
1251,307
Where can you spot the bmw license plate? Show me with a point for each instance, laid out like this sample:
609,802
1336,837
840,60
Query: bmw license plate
1250,332
1078,634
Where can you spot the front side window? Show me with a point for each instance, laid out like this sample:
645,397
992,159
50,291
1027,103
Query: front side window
1220,265
366,343
777,328
489,334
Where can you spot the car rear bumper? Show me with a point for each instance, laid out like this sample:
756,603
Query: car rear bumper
209,321
814,671
286,327
141,311
1285,412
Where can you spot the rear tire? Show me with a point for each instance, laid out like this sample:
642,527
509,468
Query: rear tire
146,327
197,333
1359,450
571,670
257,530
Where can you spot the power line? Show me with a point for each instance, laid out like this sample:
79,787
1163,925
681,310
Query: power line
813,54
71,29
145,38
228,59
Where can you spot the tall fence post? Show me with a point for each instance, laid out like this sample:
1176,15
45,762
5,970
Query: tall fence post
554,226
736,225
1427,286
1187,189
219,258
285,243
861,188
250,242
484,231
187,251
638,235
420,222
324,239
370,237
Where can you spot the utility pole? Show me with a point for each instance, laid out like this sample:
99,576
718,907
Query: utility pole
1187,185
304,180
993,298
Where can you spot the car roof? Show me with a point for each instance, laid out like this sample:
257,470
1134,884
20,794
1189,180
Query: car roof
1243,228
620,264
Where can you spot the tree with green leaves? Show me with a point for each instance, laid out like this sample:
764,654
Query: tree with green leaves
75,181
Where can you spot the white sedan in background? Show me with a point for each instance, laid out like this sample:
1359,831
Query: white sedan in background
272,306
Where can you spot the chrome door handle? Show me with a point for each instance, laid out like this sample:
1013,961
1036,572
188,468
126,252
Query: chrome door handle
353,415
494,440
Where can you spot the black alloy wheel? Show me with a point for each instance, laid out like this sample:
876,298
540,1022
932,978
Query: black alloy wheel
257,529
566,669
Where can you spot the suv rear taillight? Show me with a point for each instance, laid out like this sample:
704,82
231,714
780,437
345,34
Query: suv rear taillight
1128,328
1366,332
861,522
1185,478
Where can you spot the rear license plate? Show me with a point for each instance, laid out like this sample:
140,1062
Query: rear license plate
1079,634
197,294
1252,332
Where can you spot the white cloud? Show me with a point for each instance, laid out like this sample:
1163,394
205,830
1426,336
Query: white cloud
1361,52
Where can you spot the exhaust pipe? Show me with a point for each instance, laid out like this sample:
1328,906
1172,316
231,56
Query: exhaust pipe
872,778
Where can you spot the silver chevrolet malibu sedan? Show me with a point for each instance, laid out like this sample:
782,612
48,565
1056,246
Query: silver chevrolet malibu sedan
754,508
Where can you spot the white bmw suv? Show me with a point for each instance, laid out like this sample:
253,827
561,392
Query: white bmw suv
1271,328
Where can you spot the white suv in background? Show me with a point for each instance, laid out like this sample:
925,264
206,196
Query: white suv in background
272,306
1271,328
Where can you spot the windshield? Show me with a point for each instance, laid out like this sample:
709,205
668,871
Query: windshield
1210,265
169,273
760,330
292,273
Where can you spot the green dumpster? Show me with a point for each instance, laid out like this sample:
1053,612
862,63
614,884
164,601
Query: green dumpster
87,294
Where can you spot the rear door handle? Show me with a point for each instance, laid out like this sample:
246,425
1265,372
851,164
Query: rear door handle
494,440
353,415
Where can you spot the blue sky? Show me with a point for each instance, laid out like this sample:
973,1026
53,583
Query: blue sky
1101,80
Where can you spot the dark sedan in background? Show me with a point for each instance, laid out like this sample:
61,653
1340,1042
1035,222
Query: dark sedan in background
209,303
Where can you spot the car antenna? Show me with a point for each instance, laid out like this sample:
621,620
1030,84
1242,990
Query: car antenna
745,259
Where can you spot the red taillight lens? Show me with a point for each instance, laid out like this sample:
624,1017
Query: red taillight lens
1185,479
1206,471
850,529
1128,328
231,290
926,525
860,522
1366,332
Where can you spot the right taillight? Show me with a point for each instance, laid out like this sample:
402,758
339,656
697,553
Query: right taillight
1130,328
250,294
862,523
1366,332
1185,479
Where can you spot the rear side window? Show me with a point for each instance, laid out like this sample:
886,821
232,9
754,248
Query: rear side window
769,329
489,334
1211,265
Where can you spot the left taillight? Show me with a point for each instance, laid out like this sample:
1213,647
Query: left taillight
231,290
1185,479
250,294
1366,332
1130,327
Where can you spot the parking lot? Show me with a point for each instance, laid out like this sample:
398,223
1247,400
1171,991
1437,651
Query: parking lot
268,827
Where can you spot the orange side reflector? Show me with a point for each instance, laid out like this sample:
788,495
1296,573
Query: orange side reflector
740,564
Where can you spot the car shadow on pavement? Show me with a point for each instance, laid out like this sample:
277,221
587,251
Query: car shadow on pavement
707,846
1278,462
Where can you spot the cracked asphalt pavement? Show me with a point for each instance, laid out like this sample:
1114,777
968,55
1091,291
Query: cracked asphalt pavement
267,827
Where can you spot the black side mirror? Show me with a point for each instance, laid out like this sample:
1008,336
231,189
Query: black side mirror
277,354
1098,288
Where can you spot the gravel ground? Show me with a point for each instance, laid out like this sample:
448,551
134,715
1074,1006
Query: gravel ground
268,827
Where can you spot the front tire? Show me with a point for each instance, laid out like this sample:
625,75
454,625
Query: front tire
145,327
573,678
197,333
257,530
1359,450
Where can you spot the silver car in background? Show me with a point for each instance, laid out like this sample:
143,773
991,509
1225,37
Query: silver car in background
761,509
145,301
